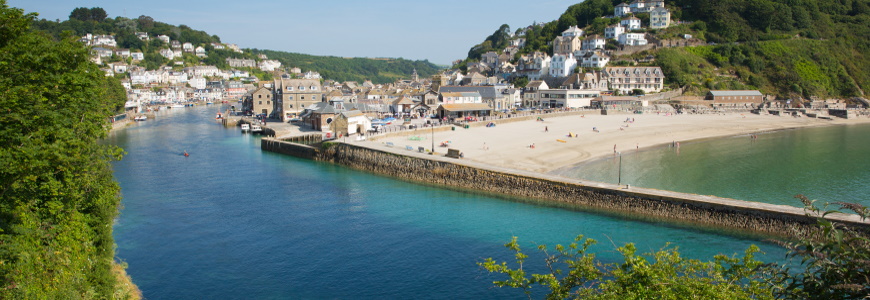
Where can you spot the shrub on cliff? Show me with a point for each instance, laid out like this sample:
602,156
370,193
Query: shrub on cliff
57,194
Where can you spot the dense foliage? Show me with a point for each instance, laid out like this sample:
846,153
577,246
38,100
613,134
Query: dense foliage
354,69
835,264
57,195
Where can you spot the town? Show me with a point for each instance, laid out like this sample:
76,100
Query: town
586,69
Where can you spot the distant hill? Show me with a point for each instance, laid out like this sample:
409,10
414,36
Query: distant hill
379,70
340,69
783,47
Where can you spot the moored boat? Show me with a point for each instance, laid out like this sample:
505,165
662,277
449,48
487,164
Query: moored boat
246,127
256,129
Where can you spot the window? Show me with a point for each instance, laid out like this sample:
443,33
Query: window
301,88
290,88
261,103
267,103
259,96
301,97
313,88
291,98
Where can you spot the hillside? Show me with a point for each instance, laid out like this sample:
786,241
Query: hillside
354,69
83,21
785,47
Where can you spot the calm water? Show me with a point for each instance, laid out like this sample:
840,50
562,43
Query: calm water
826,163
233,222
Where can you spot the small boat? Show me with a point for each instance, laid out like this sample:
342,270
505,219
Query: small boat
140,118
176,106
246,127
209,103
256,129
219,116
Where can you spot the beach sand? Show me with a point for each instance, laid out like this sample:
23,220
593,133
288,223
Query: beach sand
508,145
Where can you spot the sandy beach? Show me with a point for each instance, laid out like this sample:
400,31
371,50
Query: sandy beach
508,145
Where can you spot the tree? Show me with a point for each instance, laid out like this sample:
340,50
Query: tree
832,264
660,275
98,14
520,82
145,22
58,196
81,14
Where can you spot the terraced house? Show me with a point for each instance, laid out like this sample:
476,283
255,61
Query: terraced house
292,96
626,79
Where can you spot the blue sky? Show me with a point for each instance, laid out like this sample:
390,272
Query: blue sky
440,31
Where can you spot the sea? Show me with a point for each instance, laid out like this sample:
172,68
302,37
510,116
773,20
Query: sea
234,222
827,164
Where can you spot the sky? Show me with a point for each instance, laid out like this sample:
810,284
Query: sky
440,31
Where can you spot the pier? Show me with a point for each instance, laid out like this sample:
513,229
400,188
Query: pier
642,203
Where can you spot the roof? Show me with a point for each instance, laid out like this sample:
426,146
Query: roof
351,113
461,94
736,93
485,91
466,107
403,100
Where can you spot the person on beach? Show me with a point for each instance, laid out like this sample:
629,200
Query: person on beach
546,129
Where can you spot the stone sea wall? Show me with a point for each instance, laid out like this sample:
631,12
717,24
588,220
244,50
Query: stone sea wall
641,203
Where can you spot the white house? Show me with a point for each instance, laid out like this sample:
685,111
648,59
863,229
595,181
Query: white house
542,64
613,31
461,97
659,17
269,65
197,82
630,23
167,53
164,38
562,65
593,42
199,51
187,47
621,10
104,40
102,52
626,79
637,6
137,55
594,59
119,67
632,39
176,77
573,31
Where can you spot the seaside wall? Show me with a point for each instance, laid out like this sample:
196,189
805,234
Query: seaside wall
642,203
289,148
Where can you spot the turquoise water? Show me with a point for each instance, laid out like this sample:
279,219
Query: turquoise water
233,222
825,163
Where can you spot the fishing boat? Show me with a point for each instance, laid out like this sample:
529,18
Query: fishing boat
246,127
140,118
256,129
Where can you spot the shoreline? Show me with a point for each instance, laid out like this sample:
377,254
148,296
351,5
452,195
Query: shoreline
508,145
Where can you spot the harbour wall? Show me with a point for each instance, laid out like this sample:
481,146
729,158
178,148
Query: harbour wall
641,203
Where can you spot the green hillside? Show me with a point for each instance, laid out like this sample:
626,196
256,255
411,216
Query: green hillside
354,69
94,21
783,47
